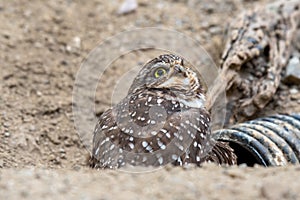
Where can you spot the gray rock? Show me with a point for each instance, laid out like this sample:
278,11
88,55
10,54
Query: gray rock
127,6
293,71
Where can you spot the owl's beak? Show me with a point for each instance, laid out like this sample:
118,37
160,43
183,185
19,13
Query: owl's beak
178,69
177,72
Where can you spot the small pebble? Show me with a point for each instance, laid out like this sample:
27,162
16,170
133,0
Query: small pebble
61,150
293,71
6,124
63,156
76,167
127,6
6,134
294,91
68,48
77,42
243,165
32,128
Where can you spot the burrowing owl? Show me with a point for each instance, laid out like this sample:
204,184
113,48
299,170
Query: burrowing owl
161,120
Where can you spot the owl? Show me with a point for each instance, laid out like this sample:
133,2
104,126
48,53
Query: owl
162,120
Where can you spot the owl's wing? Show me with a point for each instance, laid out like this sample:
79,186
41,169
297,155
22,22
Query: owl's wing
204,148
133,135
100,157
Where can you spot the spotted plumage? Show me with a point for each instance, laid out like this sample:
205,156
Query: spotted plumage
161,120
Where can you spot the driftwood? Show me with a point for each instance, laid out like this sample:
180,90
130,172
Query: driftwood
257,50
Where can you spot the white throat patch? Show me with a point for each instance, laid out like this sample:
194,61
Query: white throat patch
195,103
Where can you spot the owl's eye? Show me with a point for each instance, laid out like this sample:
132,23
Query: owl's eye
160,72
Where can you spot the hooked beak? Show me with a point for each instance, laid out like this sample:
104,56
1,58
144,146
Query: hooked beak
176,70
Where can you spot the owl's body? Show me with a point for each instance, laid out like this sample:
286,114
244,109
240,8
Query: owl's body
161,120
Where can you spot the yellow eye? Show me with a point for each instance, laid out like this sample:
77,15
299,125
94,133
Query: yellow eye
160,72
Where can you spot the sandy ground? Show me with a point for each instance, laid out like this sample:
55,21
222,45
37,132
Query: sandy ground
42,45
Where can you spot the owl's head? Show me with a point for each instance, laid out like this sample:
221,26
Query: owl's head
169,73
